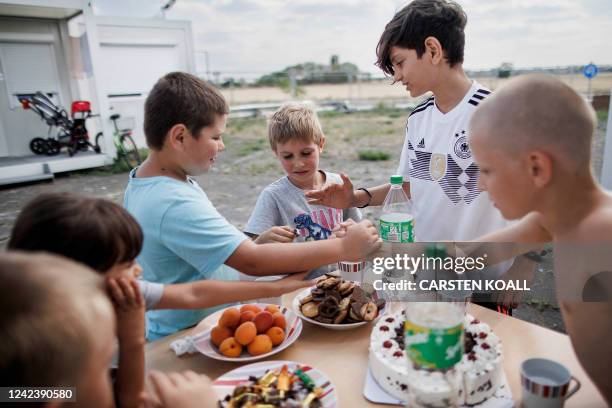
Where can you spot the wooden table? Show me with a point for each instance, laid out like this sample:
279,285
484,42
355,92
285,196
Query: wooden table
343,356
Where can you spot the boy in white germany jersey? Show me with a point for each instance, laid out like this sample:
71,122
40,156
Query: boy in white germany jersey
422,47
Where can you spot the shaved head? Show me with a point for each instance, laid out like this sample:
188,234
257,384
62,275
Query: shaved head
537,112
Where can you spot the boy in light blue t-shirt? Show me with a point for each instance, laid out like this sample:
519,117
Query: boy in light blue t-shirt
185,237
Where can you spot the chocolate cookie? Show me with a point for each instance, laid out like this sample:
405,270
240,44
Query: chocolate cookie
359,295
329,308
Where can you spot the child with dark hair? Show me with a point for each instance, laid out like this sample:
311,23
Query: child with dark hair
422,48
186,239
105,237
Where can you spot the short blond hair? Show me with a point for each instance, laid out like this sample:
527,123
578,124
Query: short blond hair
50,309
294,121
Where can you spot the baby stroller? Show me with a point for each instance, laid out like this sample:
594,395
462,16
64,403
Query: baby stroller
71,133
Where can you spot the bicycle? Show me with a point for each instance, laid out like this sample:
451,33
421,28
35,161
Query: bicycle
125,145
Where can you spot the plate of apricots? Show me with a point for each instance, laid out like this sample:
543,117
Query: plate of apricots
249,332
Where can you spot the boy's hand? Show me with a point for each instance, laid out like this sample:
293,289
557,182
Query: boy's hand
184,390
129,308
333,195
340,230
282,234
360,240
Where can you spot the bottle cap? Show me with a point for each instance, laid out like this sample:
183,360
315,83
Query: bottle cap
397,179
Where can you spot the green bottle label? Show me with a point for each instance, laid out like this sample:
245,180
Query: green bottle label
397,231
434,348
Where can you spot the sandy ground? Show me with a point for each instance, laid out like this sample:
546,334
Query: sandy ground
383,90
247,166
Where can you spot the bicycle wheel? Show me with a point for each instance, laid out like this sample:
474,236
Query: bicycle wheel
130,154
99,138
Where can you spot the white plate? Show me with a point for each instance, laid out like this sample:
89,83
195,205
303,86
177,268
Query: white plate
376,394
343,326
225,384
292,332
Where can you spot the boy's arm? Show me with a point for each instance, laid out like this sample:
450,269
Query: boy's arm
271,259
528,230
587,324
344,196
129,308
522,237
208,293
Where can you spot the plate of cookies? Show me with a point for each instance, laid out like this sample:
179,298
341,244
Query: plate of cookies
337,304
250,332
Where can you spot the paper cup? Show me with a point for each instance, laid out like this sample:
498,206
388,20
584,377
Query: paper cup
545,383
352,271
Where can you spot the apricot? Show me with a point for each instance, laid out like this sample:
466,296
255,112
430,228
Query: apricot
276,335
261,344
220,333
230,347
253,308
247,316
272,308
263,321
245,333
230,318
279,320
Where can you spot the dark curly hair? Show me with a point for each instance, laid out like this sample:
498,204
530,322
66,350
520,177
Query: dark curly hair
442,19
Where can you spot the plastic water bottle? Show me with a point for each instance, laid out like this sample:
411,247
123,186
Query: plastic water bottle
396,229
396,222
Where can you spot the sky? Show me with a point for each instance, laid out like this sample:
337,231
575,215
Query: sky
253,37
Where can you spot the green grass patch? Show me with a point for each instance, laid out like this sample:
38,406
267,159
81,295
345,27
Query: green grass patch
250,146
373,155
330,114
602,116
240,124
262,168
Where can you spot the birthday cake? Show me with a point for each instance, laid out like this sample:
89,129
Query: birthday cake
474,379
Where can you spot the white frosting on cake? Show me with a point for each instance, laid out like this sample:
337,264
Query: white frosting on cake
477,376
